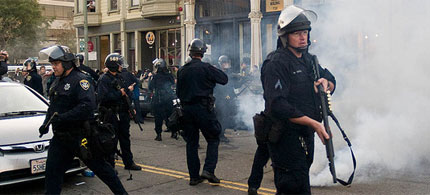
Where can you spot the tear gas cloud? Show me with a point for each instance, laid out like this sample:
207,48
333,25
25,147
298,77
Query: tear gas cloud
378,51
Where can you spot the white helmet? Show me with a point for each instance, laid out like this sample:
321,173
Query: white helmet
289,14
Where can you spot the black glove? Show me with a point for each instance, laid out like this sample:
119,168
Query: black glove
43,130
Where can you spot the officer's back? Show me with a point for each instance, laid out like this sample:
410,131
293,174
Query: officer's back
197,79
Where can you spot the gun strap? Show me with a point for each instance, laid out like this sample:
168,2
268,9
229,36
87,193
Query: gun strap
350,148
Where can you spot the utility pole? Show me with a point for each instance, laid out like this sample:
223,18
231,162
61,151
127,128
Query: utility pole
84,4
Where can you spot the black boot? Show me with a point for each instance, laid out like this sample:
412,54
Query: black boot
210,177
158,138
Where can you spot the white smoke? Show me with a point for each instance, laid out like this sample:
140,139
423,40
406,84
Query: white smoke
378,51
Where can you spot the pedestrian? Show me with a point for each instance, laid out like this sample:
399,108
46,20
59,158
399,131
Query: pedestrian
291,101
3,63
112,93
32,78
72,104
162,84
196,81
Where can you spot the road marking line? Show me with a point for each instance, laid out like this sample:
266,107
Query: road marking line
183,175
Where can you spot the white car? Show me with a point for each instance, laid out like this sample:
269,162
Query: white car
22,153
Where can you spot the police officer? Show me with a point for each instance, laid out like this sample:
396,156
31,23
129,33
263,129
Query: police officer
112,93
133,82
72,102
32,78
162,83
291,101
84,68
196,81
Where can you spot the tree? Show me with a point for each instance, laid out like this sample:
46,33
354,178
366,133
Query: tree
22,27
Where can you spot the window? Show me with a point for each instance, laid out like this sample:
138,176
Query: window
78,7
91,5
113,5
213,8
117,43
134,3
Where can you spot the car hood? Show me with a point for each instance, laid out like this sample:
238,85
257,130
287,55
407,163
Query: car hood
22,130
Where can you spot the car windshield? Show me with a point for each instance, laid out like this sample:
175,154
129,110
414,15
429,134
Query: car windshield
18,100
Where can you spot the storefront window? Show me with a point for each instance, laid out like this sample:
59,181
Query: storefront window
169,46
214,8
117,43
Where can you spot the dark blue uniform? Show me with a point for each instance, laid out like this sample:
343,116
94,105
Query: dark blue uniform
162,104
129,79
34,81
72,97
196,81
288,84
109,96
225,105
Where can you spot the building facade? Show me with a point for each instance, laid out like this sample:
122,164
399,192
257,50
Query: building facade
142,30
61,29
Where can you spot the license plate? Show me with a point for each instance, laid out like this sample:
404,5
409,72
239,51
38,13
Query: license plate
38,165
141,98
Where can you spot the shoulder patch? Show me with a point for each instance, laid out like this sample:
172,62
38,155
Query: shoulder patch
28,78
278,85
84,84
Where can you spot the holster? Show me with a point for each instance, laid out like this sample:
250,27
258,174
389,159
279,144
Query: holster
262,126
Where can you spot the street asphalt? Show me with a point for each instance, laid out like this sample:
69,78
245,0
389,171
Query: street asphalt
165,171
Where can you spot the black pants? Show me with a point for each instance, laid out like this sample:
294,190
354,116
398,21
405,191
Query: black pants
122,130
197,117
60,156
260,160
162,111
291,162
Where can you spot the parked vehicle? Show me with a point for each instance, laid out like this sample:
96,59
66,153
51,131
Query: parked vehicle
22,153
145,99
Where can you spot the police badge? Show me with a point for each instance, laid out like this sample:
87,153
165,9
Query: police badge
84,84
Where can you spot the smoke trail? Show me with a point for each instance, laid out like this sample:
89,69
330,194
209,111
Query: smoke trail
378,52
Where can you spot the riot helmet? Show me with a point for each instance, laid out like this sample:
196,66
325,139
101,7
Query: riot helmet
160,65
197,46
113,61
60,53
293,19
29,65
80,57
224,62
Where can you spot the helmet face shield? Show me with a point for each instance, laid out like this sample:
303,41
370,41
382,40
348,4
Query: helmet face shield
290,13
55,52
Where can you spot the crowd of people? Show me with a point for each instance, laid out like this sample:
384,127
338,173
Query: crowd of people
207,93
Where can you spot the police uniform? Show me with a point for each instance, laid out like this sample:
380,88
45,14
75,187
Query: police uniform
110,97
225,106
288,84
195,84
72,97
34,81
162,105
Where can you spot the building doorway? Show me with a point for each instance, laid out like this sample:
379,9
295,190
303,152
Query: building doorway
104,50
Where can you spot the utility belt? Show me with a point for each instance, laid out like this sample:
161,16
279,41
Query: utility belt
269,129
208,102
